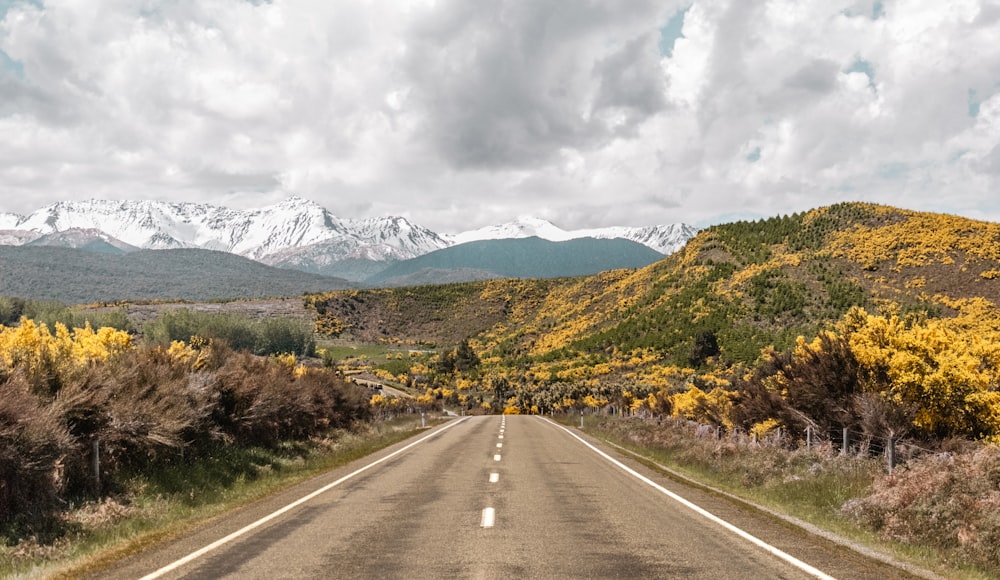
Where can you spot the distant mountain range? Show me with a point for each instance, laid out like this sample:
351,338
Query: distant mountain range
293,234
664,239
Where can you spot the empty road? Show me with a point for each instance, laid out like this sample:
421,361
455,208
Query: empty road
495,497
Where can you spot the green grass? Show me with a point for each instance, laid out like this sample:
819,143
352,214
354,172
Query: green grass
155,507
376,353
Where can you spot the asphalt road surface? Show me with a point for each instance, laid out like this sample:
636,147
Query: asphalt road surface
494,497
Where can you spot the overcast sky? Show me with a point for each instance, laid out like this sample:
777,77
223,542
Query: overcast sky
464,113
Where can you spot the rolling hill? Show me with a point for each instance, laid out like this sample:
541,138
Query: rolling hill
854,316
531,257
752,284
75,276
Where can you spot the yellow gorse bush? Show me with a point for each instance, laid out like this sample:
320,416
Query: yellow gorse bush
697,405
35,350
947,374
917,239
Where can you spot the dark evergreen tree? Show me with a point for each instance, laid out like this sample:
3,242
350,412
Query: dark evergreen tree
466,359
706,344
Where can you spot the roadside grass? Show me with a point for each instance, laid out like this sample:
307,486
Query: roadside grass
149,508
809,485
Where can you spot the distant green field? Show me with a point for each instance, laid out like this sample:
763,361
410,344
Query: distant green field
376,353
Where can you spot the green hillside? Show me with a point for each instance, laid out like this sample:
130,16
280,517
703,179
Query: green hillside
518,258
754,283
76,276
727,308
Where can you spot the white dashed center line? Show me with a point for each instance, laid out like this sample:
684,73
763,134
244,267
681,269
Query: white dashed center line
494,477
489,518
496,457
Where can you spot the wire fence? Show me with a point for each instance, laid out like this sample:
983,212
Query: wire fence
847,441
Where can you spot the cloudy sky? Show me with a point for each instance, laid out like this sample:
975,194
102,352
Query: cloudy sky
464,113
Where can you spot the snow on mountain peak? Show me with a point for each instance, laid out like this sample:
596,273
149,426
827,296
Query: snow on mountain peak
523,227
255,233
665,239
290,230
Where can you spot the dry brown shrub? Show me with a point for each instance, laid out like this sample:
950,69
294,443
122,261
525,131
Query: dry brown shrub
261,402
146,408
33,445
813,385
878,416
949,501
155,405
140,407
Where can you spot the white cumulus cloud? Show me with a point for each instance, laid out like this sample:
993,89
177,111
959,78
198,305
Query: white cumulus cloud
464,113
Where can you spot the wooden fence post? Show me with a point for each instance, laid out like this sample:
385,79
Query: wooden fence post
95,464
890,452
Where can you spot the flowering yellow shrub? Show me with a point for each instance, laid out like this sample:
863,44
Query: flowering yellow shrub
660,376
34,349
385,375
765,427
696,405
917,239
286,360
420,369
289,361
945,374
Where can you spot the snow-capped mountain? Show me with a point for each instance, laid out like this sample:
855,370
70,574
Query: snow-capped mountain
665,239
525,227
256,233
294,233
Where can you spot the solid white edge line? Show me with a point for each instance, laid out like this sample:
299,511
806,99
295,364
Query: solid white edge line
701,511
216,544
489,518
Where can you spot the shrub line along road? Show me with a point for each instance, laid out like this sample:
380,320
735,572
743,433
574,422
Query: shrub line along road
498,497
